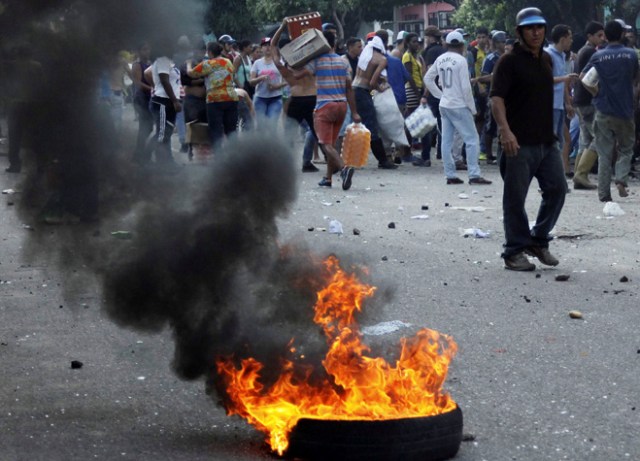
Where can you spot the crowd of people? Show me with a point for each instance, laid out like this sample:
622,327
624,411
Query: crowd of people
520,100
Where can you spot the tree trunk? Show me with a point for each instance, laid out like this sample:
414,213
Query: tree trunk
336,19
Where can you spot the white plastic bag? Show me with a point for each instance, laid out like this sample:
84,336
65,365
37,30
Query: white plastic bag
421,121
390,119
590,80
474,232
612,209
335,227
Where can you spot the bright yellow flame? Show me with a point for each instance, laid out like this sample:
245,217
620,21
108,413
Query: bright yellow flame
358,387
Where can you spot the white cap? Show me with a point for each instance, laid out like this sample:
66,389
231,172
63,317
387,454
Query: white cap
454,38
401,35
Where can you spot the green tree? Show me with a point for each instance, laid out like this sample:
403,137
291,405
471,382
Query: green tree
346,14
500,14
233,17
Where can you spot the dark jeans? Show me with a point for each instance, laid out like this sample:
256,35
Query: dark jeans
436,133
222,118
195,109
164,116
145,125
301,109
544,163
367,111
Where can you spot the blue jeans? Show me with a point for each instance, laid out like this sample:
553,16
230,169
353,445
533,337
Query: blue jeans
544,163
271,108
181,125
309,143
574,134
558,126
460,120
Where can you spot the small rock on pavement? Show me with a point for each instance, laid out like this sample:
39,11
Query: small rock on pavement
356,231
391,225
575,314
562,277
384,258
466,437
624,279
425,207
76,364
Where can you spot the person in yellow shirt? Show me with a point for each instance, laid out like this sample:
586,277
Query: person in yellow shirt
480,52
414,88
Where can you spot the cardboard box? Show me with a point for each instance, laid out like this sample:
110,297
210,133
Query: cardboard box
303,49
298,25
197,133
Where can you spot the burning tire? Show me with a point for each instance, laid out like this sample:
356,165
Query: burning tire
430,438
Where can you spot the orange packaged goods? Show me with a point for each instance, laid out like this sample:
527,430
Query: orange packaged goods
298,25
356,145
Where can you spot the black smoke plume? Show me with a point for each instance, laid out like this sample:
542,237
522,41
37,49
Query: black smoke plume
204,259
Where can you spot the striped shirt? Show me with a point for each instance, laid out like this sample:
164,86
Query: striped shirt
332,74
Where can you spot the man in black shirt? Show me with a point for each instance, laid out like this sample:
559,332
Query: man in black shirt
432,51
522,104
587,154
354,48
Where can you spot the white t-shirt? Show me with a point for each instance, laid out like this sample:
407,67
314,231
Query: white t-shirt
164,65
453,73
259,67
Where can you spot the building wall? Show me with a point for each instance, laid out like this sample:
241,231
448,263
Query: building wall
415,18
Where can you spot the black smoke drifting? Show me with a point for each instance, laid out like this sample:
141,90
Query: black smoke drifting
76,41
204,260
207,262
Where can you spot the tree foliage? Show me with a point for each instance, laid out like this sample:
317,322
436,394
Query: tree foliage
500,14
232,17
245,17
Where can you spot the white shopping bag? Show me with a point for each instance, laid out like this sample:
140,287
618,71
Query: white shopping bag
390,119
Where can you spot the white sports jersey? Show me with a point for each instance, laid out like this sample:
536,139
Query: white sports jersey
453,77
164,65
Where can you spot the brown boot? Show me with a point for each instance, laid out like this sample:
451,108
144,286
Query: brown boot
581,176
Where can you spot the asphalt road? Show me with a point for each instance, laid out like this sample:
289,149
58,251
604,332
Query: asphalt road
533,384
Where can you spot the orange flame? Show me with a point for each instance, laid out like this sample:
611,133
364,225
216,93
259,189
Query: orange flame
357,387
